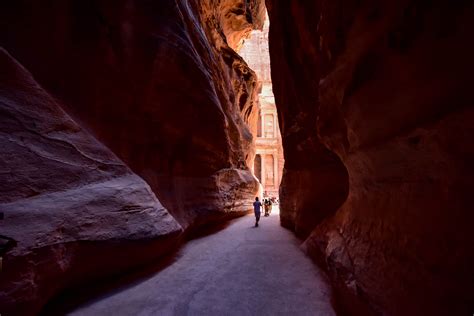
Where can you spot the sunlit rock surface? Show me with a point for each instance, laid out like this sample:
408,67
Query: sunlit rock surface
375,101
73,208
159,83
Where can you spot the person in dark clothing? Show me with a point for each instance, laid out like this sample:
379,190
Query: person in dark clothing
256,208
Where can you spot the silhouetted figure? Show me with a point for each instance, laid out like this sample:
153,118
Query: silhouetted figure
256,208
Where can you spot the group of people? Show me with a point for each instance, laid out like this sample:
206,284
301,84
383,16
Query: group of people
267,206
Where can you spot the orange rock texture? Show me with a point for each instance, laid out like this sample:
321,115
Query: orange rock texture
375,104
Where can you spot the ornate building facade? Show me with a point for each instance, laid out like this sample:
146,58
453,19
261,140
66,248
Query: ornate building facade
269,161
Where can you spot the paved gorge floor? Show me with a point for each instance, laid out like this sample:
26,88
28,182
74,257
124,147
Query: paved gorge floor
241,270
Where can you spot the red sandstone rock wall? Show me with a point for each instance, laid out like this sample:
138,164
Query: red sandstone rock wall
308,163
375,103
158,83
75,211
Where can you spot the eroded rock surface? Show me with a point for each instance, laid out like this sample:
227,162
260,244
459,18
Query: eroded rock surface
380,94
74,209
159,83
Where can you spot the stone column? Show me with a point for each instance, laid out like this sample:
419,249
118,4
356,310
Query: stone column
275,171
274,126
262,156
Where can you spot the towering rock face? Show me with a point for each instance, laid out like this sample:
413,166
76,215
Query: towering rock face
376,113
308,163
159,83
74,210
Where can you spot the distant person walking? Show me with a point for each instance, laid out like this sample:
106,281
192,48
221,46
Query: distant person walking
256,208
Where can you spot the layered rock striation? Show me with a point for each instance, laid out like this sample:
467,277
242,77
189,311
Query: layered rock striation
74,210
159,83
156,139
375,108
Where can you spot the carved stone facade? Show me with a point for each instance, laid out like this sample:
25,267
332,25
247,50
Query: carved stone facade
269,161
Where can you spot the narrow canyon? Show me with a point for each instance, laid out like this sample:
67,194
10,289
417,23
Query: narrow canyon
129,128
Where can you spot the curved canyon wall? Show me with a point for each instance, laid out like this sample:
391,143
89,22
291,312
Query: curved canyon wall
72,209
375,107
160,84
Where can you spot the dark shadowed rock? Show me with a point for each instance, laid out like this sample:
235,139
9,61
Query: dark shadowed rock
159,82
74,209
384,91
